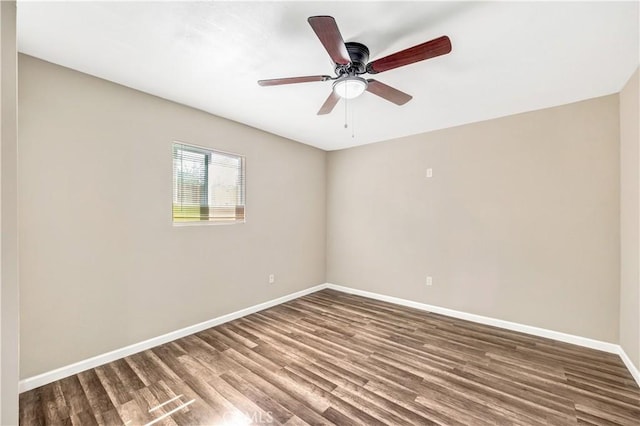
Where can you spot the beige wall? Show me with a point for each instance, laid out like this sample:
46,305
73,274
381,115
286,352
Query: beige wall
9,314
630,219
101,265
520,220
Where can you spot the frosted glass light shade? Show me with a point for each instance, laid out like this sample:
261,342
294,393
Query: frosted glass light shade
350,87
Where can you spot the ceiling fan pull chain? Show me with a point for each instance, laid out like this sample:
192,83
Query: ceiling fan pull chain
353,120
345,113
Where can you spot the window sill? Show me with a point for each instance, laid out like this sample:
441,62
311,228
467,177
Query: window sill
207,223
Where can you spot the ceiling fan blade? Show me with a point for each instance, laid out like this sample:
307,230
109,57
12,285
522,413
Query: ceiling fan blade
292,80
388,92
327,31
427,50
329,104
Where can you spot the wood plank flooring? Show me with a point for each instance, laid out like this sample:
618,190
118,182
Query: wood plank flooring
334,358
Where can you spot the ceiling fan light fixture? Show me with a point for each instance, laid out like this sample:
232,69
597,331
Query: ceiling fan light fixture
350,87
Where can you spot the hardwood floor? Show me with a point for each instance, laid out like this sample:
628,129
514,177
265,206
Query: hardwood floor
333,358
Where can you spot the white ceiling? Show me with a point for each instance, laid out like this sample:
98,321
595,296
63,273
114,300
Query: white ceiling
507,57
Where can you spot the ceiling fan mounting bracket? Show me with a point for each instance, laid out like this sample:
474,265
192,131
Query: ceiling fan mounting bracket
359,55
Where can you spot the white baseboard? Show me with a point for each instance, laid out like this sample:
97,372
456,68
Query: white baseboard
536,331
75,368
630,365
69,370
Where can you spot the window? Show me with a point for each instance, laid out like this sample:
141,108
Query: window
208,186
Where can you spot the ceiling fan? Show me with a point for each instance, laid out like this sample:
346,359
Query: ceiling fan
351,62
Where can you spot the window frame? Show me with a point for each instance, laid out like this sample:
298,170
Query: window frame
209,150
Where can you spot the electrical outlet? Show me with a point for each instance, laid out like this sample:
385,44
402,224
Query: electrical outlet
272,278
429,173
429,281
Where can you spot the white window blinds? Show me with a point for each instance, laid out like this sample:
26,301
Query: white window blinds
208,186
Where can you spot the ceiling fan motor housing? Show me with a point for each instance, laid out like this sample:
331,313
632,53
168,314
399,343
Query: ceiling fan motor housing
359,54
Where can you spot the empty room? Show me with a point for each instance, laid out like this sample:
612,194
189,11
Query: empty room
289,213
